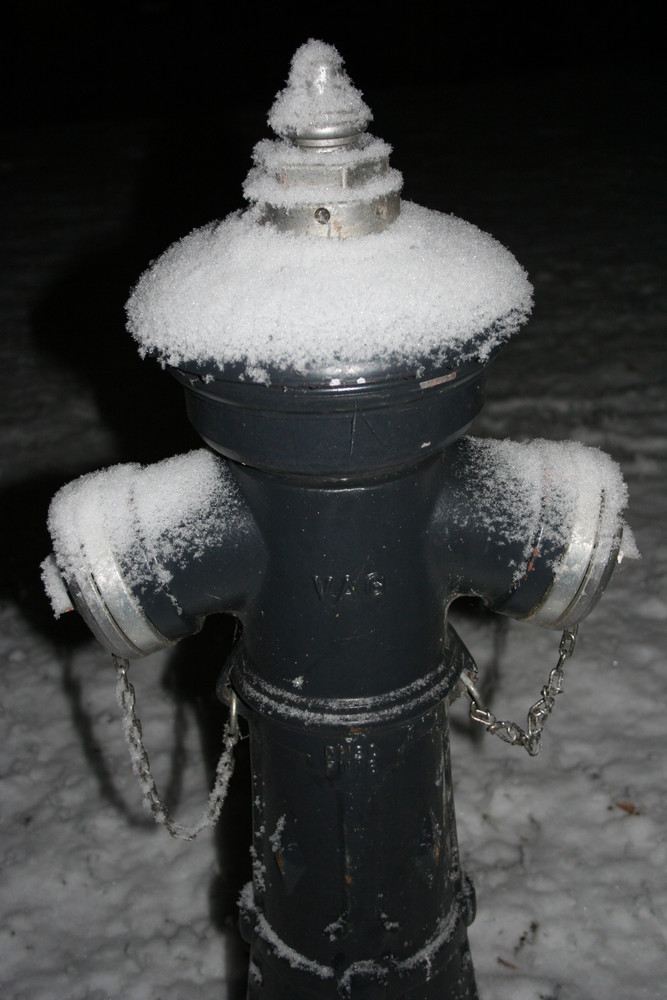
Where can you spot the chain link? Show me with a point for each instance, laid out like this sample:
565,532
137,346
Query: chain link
142,768
511,732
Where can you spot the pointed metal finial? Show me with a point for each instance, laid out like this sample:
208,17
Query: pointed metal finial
324,176
319,106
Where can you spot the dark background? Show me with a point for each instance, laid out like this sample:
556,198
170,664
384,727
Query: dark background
202,76
82,59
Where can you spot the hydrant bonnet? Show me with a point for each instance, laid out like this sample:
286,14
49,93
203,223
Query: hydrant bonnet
327,289
328,298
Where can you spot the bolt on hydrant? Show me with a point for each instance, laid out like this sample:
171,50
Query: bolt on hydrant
333,344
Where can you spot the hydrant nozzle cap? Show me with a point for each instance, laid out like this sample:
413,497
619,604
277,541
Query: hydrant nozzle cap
319,106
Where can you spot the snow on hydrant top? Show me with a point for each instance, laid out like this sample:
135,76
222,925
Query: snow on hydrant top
319,95
257,295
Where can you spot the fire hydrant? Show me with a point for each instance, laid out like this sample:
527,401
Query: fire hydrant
333,345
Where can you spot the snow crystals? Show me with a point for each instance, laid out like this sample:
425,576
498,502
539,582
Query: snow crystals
236,292
150,518
244,293
563,486
318,90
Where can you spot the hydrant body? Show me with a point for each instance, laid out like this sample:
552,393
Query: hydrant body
344,677
338,513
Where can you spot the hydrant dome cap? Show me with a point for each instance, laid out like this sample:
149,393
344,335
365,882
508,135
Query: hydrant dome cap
255,304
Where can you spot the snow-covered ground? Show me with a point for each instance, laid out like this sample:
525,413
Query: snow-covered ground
568,851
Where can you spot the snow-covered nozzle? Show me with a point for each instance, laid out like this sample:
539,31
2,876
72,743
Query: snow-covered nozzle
319,106
125,538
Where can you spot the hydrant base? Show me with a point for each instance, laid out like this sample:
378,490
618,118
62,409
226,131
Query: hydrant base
357,888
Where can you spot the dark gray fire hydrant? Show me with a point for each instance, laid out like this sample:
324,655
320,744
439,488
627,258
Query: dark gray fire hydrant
333,346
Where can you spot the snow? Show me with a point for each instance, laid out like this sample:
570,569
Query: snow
263,928
151,518
363,969
568,851
242,293
236,292
152,798
576,494
55,587
267,181
318,89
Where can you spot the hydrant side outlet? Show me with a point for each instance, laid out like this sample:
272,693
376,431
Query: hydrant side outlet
146,553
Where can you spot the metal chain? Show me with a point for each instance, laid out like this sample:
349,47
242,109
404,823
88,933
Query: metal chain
142,768
510,732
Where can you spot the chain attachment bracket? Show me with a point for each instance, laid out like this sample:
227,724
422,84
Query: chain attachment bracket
510,732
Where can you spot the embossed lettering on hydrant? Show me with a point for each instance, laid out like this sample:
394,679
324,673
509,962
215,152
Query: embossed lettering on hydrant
351,757
349,586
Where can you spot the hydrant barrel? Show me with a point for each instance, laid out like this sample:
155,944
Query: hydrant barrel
342,674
